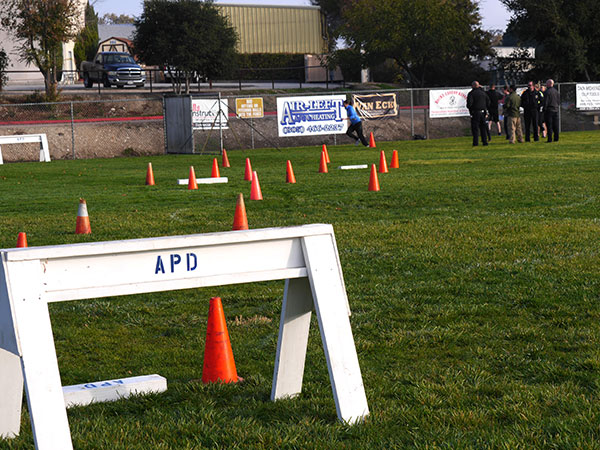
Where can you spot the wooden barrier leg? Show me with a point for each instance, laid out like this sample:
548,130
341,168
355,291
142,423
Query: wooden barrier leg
332,314
44,151
11,393
293,339
11,373
38,357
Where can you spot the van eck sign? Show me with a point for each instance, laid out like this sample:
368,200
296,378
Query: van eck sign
308,116
376,106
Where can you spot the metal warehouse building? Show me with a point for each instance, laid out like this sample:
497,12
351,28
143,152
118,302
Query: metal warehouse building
277,29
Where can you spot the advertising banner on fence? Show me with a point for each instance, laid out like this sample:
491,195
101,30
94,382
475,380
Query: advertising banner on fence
205,114
376,106
588,96
309,116
448,103
249,108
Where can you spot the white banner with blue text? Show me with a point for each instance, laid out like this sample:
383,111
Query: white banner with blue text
309,116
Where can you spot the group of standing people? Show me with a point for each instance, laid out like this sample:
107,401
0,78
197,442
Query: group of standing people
540,108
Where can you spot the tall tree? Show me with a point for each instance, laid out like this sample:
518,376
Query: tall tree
41,27
3,67
433,41
113,19
565,33
86,43
189,36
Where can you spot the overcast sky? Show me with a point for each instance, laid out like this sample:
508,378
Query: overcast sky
495,15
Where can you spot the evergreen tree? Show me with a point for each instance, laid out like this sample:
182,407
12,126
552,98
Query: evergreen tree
86,43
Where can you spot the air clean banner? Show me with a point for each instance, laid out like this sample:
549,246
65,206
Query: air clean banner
310,116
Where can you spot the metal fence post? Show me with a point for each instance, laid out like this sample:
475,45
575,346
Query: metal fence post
412,115
559,111
72,132
220,125
426,123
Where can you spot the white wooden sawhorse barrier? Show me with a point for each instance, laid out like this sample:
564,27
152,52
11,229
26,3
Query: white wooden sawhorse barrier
305,257
26,138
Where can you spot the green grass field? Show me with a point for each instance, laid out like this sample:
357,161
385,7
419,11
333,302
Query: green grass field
473,277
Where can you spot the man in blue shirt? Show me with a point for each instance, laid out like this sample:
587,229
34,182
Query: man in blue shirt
355,125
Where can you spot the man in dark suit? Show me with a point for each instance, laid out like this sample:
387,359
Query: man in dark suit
478,104
551,106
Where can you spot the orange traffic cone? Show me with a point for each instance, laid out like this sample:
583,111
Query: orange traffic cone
149,176
255,192
248,173
326,154
289,175
219,365
395,164
382,163
21,240
225,162
373,181
192,180
83,220
323,163
371,140
240,220
215,169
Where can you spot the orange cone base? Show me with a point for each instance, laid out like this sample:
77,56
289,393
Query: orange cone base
395,164
255,192
225,159
371,140
215,169
149,176
21,240
382,163
373,181
323,163
248,172
82,225
289,176
192,184
219,365
240,219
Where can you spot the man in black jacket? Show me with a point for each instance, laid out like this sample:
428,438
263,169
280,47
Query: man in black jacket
530,102
495,97
478,104
551,105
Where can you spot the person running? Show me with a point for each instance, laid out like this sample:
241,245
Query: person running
355,125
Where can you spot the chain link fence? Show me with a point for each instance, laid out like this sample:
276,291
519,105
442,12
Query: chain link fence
412,121
86,129
129,127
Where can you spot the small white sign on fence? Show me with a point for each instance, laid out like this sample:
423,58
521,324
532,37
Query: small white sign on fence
448,103
305,257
